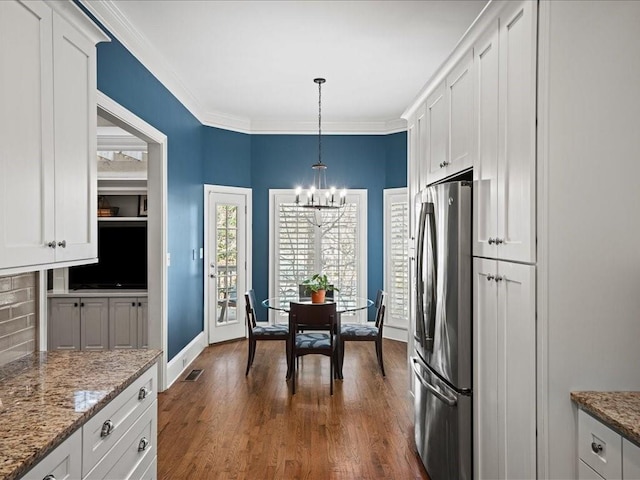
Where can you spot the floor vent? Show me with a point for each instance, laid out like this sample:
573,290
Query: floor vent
193,375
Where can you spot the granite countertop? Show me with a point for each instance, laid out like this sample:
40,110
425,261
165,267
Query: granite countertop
46,396
618,410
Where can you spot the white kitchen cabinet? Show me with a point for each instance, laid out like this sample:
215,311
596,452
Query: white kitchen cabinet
449,123
78,323
47,134
128,322
630,460
64,463
504,370
505,170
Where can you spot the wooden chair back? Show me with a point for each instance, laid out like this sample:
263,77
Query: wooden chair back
380,308
313,316
250,302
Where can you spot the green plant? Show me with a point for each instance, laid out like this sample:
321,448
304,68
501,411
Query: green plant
318,282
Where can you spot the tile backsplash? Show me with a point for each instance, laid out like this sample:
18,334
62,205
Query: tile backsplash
18,316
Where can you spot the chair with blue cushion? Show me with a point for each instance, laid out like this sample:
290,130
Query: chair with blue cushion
366,332
321,316
261,332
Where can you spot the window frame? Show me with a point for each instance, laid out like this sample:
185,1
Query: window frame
390,195
358,196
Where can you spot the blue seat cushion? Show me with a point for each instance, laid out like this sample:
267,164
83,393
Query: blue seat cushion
358,330
313,340
271,330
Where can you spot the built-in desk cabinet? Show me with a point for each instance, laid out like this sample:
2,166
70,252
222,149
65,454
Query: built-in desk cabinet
47,134
128,322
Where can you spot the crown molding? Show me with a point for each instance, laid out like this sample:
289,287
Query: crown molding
117,24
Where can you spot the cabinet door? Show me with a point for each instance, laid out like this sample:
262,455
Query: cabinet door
460,101
422,168
94,323
516,371
437,136
485,365
26,134
143,322
630,460
64,323
516,156
485,170
123,323
75,143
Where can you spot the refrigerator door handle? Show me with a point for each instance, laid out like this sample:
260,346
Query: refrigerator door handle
431,325
452,402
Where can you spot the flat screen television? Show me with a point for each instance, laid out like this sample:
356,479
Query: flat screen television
122,259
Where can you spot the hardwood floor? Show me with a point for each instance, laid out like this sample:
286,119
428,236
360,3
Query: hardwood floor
228,426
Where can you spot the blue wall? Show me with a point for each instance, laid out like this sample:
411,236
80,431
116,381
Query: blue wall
199,154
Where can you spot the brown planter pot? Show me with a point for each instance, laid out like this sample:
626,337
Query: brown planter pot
317,297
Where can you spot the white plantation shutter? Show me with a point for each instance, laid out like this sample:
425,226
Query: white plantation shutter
397,256
300,248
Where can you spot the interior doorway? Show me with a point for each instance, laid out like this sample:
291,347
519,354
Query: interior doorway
227,227
156,220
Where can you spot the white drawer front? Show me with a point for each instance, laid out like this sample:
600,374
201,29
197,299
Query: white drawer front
64,463
150,473
630,460
117,417
599,447
585,472
131,455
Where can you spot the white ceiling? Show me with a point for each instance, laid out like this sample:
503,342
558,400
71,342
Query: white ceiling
249,65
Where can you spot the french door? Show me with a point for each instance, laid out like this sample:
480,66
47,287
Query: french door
227,240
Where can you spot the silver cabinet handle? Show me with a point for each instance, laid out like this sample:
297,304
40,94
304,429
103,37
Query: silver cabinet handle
49,477
51,244
143,444
107,428
142,394
596,447
491,240
499,278
499,241
62,244
490,277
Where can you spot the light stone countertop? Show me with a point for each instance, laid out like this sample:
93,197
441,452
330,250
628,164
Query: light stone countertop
618,410
47,396
110,293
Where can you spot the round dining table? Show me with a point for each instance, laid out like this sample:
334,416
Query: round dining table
344,304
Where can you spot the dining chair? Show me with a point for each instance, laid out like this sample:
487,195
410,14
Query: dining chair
321,316
367,332
262,332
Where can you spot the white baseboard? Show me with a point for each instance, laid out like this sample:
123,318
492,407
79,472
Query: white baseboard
178,364
395,333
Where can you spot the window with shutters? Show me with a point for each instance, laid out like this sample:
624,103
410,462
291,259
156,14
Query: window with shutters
307,241
396,253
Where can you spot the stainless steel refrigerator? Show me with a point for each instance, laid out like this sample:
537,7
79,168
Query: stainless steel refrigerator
442,355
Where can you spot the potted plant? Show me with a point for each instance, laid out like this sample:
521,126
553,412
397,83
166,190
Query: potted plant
318,285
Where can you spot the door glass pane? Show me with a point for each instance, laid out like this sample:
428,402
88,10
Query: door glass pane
226,255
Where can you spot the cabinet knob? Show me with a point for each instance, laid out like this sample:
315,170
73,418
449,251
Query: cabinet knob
62,244
499,278
499,241
596,447
82,304
143,444
491,241
49,477
142,394
51,244
133,304
107,428
75,304
490,277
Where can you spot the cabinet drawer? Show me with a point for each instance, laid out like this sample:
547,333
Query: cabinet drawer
133,453
116,417
62,463
152,470
630,460
585,472
599,446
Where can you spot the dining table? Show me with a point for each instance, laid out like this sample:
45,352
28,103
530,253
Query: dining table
344,304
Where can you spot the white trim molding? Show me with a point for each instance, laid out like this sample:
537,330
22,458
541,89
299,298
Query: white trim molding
107,12
178,364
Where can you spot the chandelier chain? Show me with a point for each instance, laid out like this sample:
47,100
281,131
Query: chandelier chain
319,122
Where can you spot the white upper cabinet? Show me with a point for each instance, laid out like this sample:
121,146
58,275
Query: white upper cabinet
449,128
505,177
47,135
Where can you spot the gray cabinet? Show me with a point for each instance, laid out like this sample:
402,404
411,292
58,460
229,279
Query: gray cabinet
78,323
128,322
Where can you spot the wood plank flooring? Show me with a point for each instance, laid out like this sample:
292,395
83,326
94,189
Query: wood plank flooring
228,426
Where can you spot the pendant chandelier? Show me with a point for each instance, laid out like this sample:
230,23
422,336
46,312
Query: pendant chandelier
318,196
